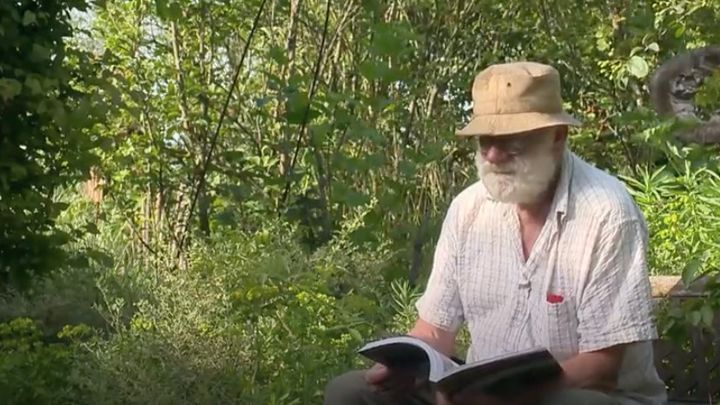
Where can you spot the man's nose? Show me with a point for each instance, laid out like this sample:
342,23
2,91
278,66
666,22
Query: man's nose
496,155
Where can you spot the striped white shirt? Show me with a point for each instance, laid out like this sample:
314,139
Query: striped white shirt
584,286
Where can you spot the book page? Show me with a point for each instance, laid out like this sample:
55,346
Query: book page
410,353
444,363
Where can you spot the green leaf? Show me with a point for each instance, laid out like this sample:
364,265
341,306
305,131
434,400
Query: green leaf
707,315
174,11
347,195
369,133
638,67
690,271
9,88
296,106
101,258
407,168
29,18
61,237
354,198
319,132
391,38
356,335
602,43
372,70
40,53
433,151
33,84
375,161
653,47
278,55
695,317
635,50
59,114
17,172
161,7
91,228
679,31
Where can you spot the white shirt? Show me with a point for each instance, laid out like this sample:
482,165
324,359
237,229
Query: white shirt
590,254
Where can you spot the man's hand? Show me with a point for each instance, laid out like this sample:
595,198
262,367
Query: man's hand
390,382
398,383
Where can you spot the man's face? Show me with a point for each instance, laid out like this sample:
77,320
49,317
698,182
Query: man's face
518,169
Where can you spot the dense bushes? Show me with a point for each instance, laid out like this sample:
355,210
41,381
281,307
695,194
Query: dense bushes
254,319
682,208
33,371
50,99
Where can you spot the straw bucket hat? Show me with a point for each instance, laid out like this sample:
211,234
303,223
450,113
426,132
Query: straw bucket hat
516,97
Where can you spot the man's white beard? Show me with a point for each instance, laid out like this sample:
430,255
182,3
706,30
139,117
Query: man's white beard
523,180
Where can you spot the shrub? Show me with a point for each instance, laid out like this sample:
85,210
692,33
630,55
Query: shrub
253,319
682,208
50,101
33,371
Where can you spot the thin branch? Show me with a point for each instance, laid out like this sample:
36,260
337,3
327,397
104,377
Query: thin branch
135,232
303,125
183,104
213,142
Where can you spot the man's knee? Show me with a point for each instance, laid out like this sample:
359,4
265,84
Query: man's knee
349,388
579,397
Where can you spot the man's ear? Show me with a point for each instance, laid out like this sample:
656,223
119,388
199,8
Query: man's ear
561,135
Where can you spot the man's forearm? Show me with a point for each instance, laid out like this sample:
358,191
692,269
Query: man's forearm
596,370
441,340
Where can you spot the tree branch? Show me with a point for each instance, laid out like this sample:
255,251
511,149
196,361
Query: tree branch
303,125
213,142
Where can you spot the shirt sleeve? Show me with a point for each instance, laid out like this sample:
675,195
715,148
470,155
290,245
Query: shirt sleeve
440,304
616,305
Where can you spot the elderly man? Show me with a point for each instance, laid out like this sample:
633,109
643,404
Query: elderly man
545,250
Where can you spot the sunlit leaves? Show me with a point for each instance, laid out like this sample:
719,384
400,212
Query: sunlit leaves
638,67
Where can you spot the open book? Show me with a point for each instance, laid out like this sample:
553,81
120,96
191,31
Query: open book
500,375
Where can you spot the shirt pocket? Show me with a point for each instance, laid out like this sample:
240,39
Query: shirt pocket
560,328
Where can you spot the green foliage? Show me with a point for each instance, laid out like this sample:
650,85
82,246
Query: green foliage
48,109
392,87
683,213
223,304
33,371
253,319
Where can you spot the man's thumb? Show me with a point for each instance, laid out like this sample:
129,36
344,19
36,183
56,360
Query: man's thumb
441,399
376,374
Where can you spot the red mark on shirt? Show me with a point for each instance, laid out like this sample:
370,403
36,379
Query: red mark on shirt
554,299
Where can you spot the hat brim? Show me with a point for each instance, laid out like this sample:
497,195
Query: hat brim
508,124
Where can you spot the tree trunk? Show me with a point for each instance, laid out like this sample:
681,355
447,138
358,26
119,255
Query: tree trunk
285,74
204,212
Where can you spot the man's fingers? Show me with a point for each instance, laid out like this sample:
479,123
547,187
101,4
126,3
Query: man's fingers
389,383
441,399
376,374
